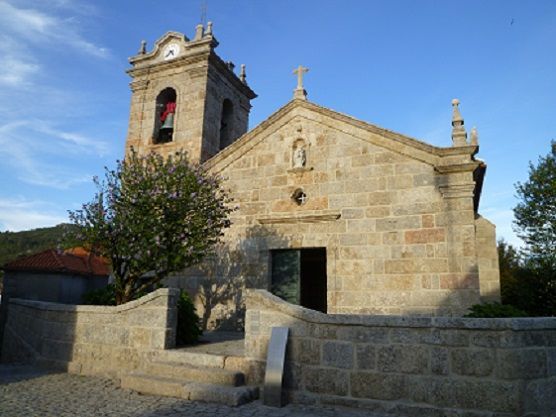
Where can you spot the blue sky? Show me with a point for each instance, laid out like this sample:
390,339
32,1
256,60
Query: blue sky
64,95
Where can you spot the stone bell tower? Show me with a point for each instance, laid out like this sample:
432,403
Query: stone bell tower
184,97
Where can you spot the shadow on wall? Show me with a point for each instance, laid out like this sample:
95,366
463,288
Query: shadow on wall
91,340
24,332
218,283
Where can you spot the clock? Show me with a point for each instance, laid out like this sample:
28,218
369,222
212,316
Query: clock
171,51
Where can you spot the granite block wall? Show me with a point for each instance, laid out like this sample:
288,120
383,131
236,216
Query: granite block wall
411,366
396,216
105,340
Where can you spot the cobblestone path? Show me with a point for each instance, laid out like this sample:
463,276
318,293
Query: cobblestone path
29,392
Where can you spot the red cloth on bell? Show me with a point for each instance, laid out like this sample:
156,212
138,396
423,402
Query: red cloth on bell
170,108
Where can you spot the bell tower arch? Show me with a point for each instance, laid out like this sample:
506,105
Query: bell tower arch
185,97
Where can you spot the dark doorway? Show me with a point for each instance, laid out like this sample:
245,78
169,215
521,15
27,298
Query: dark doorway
299,277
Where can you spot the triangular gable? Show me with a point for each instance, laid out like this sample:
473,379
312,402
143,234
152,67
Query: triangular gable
333,120
168,37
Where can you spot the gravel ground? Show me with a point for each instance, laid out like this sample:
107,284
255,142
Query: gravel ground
30,392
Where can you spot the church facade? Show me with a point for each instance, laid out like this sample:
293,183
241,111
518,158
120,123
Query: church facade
334,213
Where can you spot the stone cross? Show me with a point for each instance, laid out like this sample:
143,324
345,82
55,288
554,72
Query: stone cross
299,71
300,92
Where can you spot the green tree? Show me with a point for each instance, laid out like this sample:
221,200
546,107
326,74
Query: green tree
510,267
151,217
535,221
535,214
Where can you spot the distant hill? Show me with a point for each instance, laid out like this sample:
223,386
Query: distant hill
14,244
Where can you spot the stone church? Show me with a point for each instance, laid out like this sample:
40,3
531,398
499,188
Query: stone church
334,213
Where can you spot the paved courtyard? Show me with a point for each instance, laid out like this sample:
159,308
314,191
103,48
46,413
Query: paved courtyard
30,392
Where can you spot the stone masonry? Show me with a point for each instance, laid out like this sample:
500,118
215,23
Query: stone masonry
398,218
411,366
90,340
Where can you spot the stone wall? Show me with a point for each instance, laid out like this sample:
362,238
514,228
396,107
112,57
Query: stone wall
395,215
411,366
105,340
487,254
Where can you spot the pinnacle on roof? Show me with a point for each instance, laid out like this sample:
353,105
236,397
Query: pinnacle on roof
459,135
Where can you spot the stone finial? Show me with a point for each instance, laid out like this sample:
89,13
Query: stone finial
230,65
300,92
209,29
474,137
459,135
143,48
199,30
242,74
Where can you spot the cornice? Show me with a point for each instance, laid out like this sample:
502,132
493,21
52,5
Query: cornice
167,65
453,168
300,218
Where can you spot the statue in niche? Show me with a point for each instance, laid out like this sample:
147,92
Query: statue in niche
299,157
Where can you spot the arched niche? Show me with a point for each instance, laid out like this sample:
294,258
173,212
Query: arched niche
299,154
226,123
165,113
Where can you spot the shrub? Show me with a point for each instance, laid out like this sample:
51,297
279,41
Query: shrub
495,310
188,329
103,296
107,296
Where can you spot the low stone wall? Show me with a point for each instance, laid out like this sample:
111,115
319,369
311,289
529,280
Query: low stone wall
411,366
99,340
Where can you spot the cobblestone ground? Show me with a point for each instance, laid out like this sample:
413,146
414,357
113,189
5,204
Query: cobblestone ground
30,392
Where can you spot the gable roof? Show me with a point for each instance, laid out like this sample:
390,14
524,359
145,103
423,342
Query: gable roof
73,261
396,142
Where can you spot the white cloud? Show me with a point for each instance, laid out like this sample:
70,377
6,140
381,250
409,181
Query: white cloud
15,72
26,153
39,28
81,142
20,214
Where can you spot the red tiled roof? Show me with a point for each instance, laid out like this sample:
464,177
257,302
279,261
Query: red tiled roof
75,260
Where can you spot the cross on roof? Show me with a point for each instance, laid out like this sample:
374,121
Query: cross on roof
299,71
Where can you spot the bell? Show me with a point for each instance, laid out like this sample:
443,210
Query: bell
168,122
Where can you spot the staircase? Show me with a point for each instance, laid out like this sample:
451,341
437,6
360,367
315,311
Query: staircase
194,376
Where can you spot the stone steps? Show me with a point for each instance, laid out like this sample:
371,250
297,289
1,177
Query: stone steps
191,358
190,390
195,373
194,376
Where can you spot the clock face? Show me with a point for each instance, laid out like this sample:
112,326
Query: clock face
171,51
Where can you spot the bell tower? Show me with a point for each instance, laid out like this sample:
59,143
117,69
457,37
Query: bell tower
185,97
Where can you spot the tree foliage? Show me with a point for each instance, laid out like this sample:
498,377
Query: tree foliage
529,279
494,310
151,217
535,214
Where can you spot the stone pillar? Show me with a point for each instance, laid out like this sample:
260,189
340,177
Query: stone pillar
487,257
459,219
136,115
